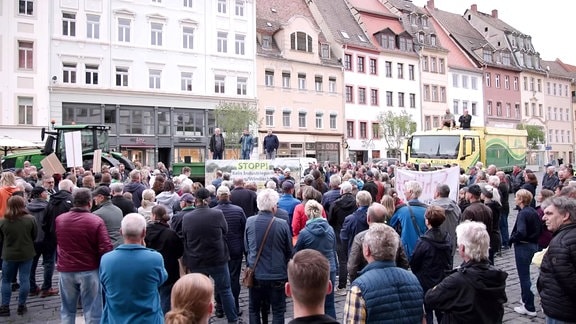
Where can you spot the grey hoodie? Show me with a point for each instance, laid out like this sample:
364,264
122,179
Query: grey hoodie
452,217
168,199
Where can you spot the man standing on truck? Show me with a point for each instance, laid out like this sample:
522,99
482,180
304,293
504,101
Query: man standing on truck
270,144
246,145
448,119
465,120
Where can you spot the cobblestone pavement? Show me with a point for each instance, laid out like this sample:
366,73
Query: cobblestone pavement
47,310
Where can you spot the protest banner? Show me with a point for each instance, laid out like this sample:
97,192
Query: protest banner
73,147
429,180
51,165
258,171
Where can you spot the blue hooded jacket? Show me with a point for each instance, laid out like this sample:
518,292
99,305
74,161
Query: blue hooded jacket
318,235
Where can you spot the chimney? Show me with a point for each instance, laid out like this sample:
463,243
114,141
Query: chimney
430,4
474,8
495,13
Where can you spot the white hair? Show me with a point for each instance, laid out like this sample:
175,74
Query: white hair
267,199
271,184
475,239
382,241
66,185
414,187
133,225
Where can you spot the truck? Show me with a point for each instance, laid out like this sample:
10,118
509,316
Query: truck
465,147
93,137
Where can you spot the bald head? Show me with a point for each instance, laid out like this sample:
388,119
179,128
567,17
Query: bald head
376,214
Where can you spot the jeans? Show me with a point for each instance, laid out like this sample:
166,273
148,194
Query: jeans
272,292
523,254
9,270
86,286
48,259
342,263
235,267
221,276
217,155
550,320
270,155
165,291
329,308
245,154
504,226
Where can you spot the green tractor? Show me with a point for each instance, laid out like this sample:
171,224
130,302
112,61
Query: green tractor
93,137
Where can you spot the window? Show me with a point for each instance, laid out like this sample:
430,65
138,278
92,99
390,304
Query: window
441,66
554,88
222,6
375,130
332,85
549,113
69,73
411,75
156,33
124,30
387,41
474,107
434,93
188,37
487,79
433,40
286,116
400,71
25,55
302,119
91,74
388,69
506,82
426,92
360,64
300,41
240,44
68,24
539,85
363,130
497,80
373,66
154,79
489,108
319,117
506,58
241,86
25,110
219,84
525,83
389,99
269,78
26,7
362,96
269,117
318,83
532,84
540,110
515,83
516,110
239,9
455,80
349,97
400,99
442,94
526,109
121,76
325,51
499,109
267,41
433,65
508,110
550,135
474,83
348,62
487,56
412,100
350,129
374,97
186,81
286,80
425,63
456,107
333,121
188,3
93,26
222,42
301,81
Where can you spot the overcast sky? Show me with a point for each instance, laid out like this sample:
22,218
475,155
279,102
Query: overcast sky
548,22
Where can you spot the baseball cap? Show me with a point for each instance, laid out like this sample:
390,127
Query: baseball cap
223,190
287,185
101,190
287,170
187,197
370,174
202,193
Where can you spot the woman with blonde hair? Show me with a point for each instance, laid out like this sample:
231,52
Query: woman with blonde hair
148,201
319,235
192,300
7,188
389,204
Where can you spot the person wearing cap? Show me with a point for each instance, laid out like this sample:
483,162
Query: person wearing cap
204,233
37,208
287,201
236,220
186,205
110,214
370,185
288,176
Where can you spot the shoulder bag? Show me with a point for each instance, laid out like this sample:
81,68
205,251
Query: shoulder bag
248,277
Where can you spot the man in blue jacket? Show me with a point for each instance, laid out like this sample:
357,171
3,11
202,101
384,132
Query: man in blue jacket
410,217
246,144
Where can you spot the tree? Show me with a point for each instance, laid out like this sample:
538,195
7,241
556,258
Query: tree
233,118
395,128
535,135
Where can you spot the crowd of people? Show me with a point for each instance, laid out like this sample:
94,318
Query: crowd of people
144,246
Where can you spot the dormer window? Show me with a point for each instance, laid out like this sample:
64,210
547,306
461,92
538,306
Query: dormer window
513,41
267,41
413,19
505,58
387,41
425,21
487,55
433,40
325,51
300,41
421,38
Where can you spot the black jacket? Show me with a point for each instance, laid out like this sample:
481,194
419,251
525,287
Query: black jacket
236,221
126,205
212,144
341,208
372,188
204,230
37,208
432,257
527,227
164,240
246,199
270,143
557,281
475,293
59,203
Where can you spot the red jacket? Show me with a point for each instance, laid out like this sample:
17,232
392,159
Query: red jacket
82,240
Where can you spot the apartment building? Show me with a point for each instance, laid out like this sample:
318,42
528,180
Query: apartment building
299,82
24,66
151,70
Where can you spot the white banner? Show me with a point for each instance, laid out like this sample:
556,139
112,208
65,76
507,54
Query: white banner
73,146
259,171
429,181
